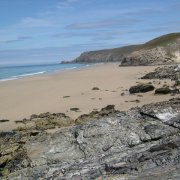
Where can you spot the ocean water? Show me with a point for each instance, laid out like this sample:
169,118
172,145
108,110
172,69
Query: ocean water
8,73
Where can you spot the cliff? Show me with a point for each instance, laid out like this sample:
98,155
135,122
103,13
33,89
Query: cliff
162,50
107,55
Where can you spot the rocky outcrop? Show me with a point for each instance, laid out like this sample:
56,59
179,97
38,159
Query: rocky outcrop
162,50
143,57
50,121
165,72
140,143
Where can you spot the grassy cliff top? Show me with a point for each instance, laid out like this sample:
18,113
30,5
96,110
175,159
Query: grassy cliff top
162,40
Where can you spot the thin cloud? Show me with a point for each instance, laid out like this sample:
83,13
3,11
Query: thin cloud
30,22
102,24
93,35
71,34
18,39
144,11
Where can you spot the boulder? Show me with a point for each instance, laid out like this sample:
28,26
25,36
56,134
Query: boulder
141,88
74,109
95,88
163,90
33,116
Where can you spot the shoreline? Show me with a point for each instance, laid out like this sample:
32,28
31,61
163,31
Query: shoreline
44,71
61,91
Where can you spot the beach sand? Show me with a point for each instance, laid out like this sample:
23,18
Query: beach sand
46,93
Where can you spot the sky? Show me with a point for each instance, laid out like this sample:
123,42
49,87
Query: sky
51,31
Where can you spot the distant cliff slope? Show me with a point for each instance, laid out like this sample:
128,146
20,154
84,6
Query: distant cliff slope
162,50
107,55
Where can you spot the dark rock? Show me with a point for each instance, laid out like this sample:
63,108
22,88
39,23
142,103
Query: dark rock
33,116
66,96
122,94
137,101
34,133
108,108
43,115
163,90
5,135
141,88
74,109
4,120
19,121
139,95
95,88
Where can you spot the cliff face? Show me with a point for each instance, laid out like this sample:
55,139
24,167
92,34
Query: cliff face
108,55
162,50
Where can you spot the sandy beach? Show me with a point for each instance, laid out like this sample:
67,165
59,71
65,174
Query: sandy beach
73,89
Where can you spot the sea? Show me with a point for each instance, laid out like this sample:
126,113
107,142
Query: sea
9,73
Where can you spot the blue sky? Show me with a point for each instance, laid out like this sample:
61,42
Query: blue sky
48,31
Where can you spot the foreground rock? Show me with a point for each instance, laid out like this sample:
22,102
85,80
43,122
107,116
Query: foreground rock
141,88
138,144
